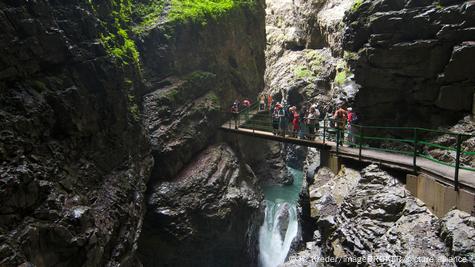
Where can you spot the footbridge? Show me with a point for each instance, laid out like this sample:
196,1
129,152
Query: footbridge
437,172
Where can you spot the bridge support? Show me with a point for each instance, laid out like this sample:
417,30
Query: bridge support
438,197
330,161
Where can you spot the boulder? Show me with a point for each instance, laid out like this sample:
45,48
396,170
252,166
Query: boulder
457,229
208,215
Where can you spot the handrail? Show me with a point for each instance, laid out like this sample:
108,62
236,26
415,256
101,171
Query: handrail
365,137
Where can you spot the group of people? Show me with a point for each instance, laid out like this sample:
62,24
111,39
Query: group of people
295,121
303,123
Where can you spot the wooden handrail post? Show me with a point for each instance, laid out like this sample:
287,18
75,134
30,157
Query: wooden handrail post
457,162
337,139
414,161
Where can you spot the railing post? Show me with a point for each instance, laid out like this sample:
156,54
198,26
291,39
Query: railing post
361,139
324,129
414,161
337,139
457,162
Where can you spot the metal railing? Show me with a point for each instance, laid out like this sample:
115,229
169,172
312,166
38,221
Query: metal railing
409,141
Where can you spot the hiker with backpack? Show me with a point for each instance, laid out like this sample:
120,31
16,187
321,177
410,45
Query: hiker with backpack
276,119
235,112
352,119
340,118
312,121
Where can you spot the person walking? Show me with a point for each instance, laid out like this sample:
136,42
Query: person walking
276,119
352,119
235,112
340,118
295,121
282,119
312,121
262,103
246,103
269,102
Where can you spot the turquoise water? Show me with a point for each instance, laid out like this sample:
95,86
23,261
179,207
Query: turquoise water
280,225
285,193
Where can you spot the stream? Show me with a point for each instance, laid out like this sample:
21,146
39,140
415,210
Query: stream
281,221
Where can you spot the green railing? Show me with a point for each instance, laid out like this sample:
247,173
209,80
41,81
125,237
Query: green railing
409,141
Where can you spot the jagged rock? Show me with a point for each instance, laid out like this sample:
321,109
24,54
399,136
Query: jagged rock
412,55
457,229
283,219
295,156
329,190
374,218
379,218
267,160
304,39
464,126
74,159
208,212
195,75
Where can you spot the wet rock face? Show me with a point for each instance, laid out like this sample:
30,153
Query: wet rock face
207,216
193,72
304,46
457,229
379,218
372,216
73,159
413,55
267,160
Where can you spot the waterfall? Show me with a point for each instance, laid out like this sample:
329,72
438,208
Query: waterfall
280,225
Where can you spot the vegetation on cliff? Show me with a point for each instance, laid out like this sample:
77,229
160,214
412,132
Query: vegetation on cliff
153,12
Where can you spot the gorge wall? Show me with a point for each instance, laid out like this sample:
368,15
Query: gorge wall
74,159
74,152
413,60
203,201
367,218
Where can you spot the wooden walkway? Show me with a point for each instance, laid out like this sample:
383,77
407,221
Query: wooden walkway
442,172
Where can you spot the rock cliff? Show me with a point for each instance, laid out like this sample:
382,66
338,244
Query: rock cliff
203,202
412,54
207,216
74,159
368,217
304,51
193,71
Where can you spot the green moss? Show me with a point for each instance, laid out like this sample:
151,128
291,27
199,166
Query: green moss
116,39
148,14
315,60
200,10
439,5
343,72
340,77
356,5
302,72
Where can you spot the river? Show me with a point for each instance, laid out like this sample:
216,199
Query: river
281,221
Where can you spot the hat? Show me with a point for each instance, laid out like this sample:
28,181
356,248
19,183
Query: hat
278,105
314,106
350,109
